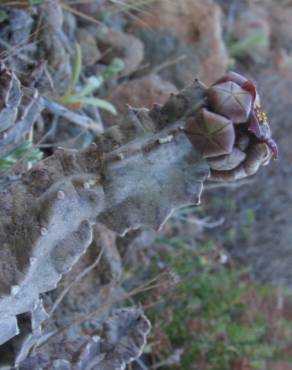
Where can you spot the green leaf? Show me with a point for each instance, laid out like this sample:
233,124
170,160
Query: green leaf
99,103
76,69
259,364
116,66
25,151
243,334
92,84
3,16
239,48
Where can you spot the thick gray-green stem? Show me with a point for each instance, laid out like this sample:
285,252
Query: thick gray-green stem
136,175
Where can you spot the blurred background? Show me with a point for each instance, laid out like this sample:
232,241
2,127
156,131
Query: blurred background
221,297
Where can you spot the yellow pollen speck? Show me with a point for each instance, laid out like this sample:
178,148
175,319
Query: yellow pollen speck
260,115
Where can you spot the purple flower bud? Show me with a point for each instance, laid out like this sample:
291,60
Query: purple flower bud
230,100
211,134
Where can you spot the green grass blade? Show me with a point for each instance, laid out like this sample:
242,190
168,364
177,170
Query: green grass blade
76,69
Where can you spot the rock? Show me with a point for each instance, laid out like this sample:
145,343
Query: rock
54,45
188,27
69,25
139,92
90,51
252,33
17,32
116,44
279,17
90,8
271,21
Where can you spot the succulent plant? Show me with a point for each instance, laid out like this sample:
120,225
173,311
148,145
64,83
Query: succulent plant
49,211
232,131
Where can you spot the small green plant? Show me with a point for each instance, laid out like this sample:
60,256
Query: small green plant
239,48
24,151
211,315
3,16
83,96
